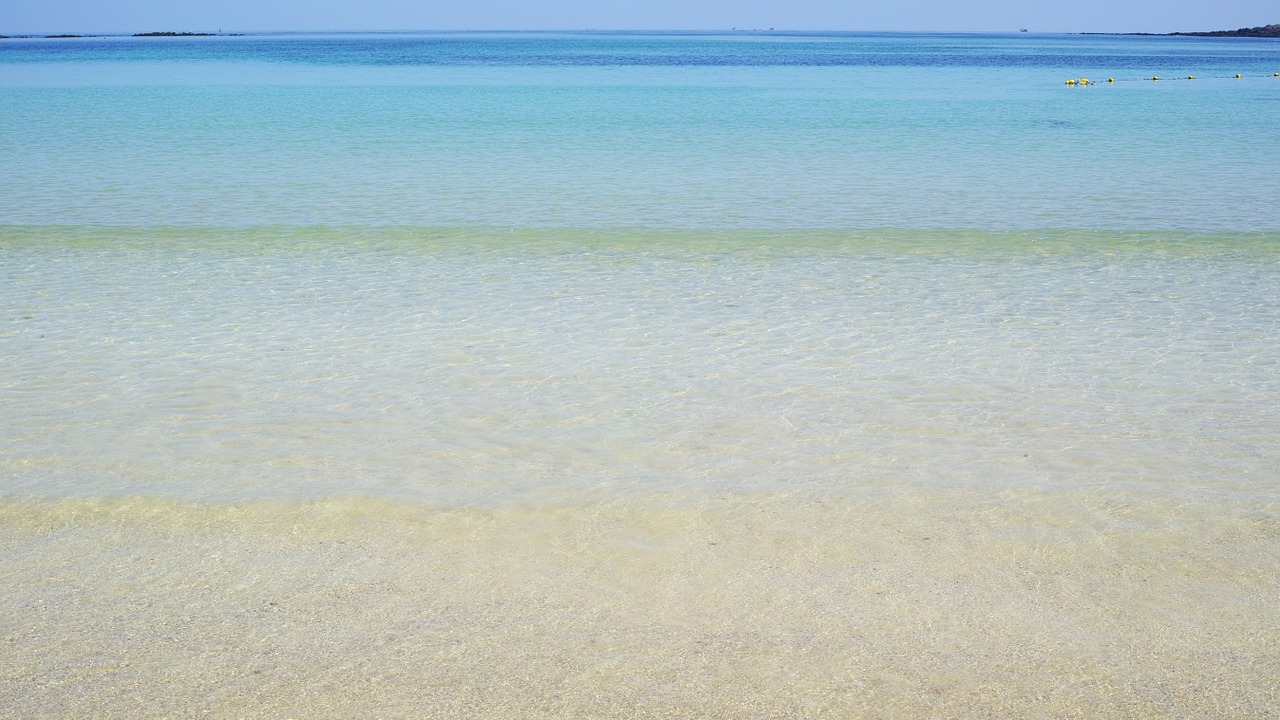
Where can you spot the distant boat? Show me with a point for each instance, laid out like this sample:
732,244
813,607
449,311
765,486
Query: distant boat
1022,30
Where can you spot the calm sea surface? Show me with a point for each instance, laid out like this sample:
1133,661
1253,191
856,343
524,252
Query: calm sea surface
604,374
671,131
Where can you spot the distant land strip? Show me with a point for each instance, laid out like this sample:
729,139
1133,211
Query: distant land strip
173,34
1262,31
145,34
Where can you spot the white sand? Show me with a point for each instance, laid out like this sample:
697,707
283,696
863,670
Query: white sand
908,605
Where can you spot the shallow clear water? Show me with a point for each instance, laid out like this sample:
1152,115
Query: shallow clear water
466,367
597,375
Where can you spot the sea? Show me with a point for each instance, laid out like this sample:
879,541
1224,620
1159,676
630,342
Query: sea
728,374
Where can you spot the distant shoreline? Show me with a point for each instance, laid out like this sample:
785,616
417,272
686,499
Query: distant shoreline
165,33
1262,31
174,34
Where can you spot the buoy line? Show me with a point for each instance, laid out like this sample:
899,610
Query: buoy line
1077,82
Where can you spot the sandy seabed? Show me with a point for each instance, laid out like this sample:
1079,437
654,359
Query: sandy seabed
1087,603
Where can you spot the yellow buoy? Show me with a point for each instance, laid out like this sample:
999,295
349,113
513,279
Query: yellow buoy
1237,74
1111,79
1156,77
1191,77
1071,82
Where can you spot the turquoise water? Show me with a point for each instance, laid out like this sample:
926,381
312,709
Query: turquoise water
670,131
624,374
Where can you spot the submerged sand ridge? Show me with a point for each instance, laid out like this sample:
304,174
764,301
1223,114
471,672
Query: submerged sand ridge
959,604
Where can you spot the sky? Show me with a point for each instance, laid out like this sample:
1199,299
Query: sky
89,16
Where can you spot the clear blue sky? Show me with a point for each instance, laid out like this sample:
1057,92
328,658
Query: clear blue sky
85,16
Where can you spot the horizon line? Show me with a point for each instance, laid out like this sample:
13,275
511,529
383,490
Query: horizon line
65,34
